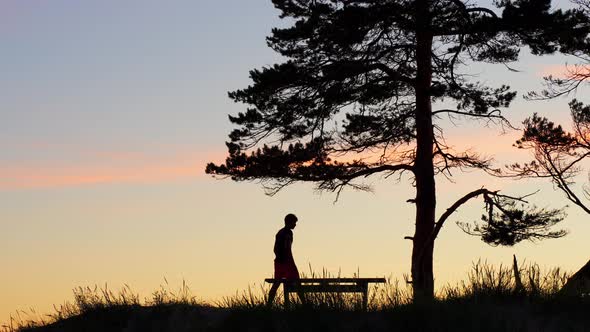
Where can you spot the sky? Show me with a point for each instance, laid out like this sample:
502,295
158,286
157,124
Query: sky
109,112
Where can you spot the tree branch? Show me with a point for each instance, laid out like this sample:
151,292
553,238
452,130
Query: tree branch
439,224
392,73
466,10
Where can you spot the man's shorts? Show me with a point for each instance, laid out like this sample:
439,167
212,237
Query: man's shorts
286,270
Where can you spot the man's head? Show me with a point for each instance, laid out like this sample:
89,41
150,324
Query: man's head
290,220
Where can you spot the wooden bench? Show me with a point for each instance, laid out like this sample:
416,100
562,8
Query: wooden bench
326,285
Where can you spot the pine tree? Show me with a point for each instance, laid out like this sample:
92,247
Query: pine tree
359,95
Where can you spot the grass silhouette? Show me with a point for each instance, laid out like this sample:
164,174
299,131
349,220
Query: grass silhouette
488,300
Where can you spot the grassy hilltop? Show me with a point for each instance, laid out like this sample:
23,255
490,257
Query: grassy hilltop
490,300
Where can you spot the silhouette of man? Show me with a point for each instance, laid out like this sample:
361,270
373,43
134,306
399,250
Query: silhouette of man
285,267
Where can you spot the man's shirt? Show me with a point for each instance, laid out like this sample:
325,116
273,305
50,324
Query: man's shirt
282,249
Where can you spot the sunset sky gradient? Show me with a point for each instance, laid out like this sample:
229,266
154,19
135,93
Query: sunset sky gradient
109,112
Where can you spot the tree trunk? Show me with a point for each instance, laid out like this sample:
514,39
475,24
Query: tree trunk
423,246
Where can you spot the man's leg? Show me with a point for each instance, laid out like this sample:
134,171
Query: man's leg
295,275
279,273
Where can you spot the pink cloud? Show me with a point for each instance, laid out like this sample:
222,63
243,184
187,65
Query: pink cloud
112,168
97,167
562,70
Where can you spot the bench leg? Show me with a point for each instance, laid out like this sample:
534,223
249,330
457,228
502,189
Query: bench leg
287,302
272,293
365,295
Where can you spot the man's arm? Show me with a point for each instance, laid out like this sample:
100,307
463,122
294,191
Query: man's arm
288,243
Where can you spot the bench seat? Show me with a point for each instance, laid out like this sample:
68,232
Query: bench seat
326,285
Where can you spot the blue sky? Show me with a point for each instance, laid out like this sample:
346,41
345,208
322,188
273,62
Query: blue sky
133,74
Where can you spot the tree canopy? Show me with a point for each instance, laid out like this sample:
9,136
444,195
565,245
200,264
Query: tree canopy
558,153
